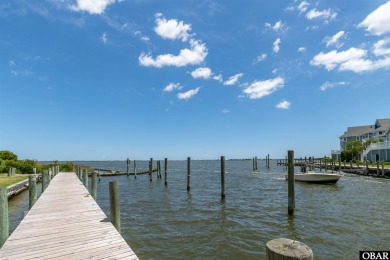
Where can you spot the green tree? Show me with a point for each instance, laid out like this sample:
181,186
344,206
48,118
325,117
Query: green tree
7,155
352,150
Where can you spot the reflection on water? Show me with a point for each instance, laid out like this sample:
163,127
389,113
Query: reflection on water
160,222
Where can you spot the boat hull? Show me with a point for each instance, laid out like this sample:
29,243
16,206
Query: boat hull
320,178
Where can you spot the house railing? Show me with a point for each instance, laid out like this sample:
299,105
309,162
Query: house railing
376,146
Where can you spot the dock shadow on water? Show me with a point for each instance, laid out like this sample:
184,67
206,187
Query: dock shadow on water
158,222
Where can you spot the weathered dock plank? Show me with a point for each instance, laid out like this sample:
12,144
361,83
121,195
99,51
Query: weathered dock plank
66,223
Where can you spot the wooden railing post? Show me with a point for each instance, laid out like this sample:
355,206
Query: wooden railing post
114,205
94,185
45,178
32,190
4,221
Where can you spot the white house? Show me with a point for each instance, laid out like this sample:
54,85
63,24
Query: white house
378,131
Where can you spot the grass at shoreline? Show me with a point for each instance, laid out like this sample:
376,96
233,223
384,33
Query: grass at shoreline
6,181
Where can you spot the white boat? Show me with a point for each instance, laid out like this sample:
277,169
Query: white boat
315,177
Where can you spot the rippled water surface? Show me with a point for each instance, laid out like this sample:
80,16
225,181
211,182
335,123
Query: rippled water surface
335,221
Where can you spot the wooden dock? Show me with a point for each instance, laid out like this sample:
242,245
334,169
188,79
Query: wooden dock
66,223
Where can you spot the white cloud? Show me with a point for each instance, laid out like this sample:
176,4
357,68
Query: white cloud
327,85
333,59
188,94
171,29
276,46
195,55
334,40
172,86
218,78
104,38
91,6
261,57
259,89
301,49
302,7
233,79
324,14
380,48
284,104
202,72
378,22
279,26
225,111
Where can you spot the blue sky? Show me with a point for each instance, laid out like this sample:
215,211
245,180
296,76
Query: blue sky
111,79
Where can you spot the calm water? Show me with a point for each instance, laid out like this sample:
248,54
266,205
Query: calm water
336,221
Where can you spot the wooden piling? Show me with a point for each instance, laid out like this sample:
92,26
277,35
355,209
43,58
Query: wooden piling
114,205
256,161
94,185
287,249
377,168
44,180
85,178
253,164
222,177
291,191
127,167
150,170
357,164
268,161
165,171
383,168
326,164
188,173
32,190
4,219
159,169
135,170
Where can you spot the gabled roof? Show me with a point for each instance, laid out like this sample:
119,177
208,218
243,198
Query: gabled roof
384,125
358,130
381,125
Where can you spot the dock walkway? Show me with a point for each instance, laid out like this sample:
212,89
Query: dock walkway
66,223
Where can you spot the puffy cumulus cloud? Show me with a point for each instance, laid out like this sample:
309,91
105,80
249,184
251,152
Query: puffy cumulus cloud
261,57
334,40
259,89
328,85
193,56
380,47
218,78
284,104
91,6
276,45
188,94
324,14
352,59
302,7
202,72
171,29
279,26
172,86
333,59
378,22
233,79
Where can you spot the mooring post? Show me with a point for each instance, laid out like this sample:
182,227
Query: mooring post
150,171
45,179
114,205
32,190
253,163
383,168
268,161
85,178
287,249
135,170
94,185
127,167
367,165
4,221
188,173
357,164
159,169
377,168
326,164
166,171
286,163
222,177
291,191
